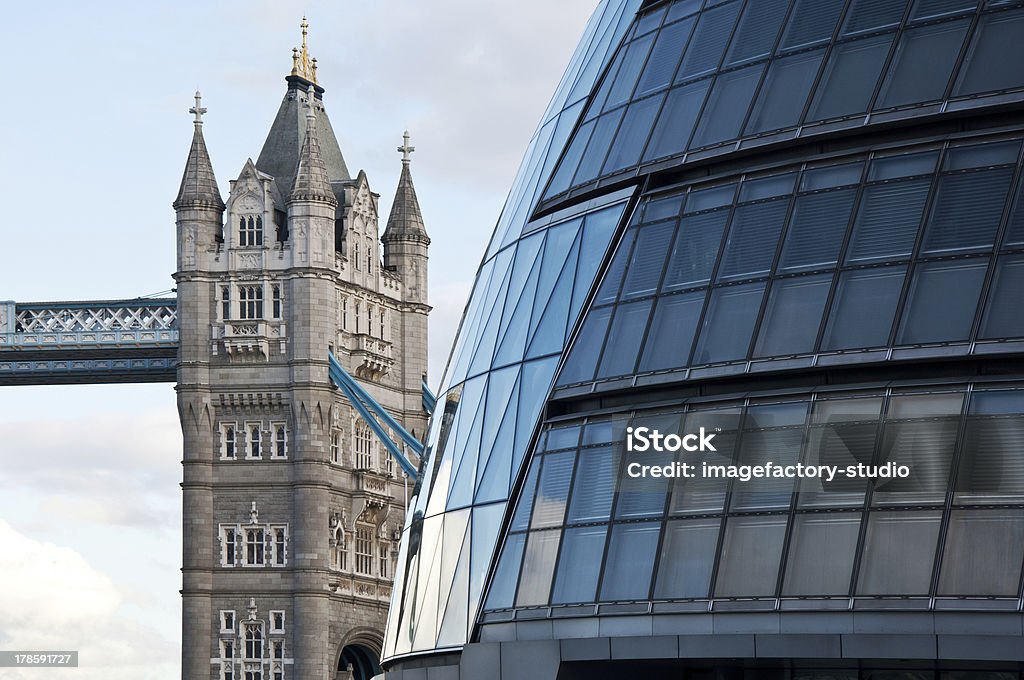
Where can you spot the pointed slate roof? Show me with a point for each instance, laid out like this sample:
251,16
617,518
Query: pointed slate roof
280,155
405,219
311,181
198,183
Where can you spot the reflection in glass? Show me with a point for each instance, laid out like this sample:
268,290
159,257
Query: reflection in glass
751,551
983,553
687,558
899,550
862,311
821,553
728,323
630,562
579,565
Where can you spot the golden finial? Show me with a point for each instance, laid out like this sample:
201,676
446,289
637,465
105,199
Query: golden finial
302,65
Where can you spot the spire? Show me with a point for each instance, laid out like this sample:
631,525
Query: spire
406,220
311,182
302,65
198,184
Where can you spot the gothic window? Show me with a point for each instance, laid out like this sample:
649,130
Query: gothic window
382,324
336,447
384,551
227,649
363,447
278,672
389,462
369,257
227,441
279,546
276,624
255,442
250,302
356,258
254,547
340,549
344,313
364,550
369,320
357,316
225,303
227,621
228,538
280,445
253,672
250,231
227,655
276,296
254,641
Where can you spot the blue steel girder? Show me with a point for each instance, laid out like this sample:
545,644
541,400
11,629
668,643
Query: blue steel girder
99,341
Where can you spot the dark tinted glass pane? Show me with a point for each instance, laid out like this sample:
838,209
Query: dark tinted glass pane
751,552
700,494
594,485
687,558
942,300
995,59
967,210
671,335
582,361
811,21
844,433
625,80
816,230
887,220
727,106
758,27
821,554
991,468
553,490
624,338
930,8
767,187
672,131
863,308
850,76
661,65
648,259
981,155
650,21
597,104
926,447
784,92
704,52
781,447
1015,225
983,553
695,249
632,136
865,15
793,316
682,8
567,166
899,552
609,290
728,323
753,237
593,157
663,208
923,63
902,165
1003,315
627,573
831,176
579,565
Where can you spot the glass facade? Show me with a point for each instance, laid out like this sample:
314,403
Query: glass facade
795,224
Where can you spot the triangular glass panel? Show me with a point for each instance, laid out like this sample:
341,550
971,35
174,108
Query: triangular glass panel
484,530
549,336
514,327
453,617
423,621
485,344
536,382
470,412
497,285
597,233
493,484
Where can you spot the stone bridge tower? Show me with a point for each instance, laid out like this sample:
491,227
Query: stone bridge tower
292,510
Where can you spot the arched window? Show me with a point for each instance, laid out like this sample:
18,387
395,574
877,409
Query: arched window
250,231
254,641
357,316
364,550
369,256
225,303
229,441
363,447
340,549
255,442
336,447
356,258
251,302
276,293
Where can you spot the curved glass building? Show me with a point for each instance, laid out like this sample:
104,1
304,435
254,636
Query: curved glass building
795,230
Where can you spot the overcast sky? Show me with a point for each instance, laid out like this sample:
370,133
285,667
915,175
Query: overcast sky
95,132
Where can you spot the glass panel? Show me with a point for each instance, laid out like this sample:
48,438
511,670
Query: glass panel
831,176
1003,318
582,361
661,65
636,125
924,9
727,106
704,51
648,259
758,27
751,551
671,335
887,220
899,551
942,300
704,493
612,282
506,577
593,158
538,566
902,165
926,448
784,92
923,63
967,211
981,155
849,78
549,506
728,323
767,187
821,554
991,467
624,338
779,447
866,15
1015,225
678,116
844,433
995,59
687,558
816,230
706,199
862,312
983,553
811,21
579,565
663,208
562,177
753,237
627,572
793,315
625,80
594,487
695,250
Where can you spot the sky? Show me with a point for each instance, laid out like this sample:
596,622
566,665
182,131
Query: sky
95,132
